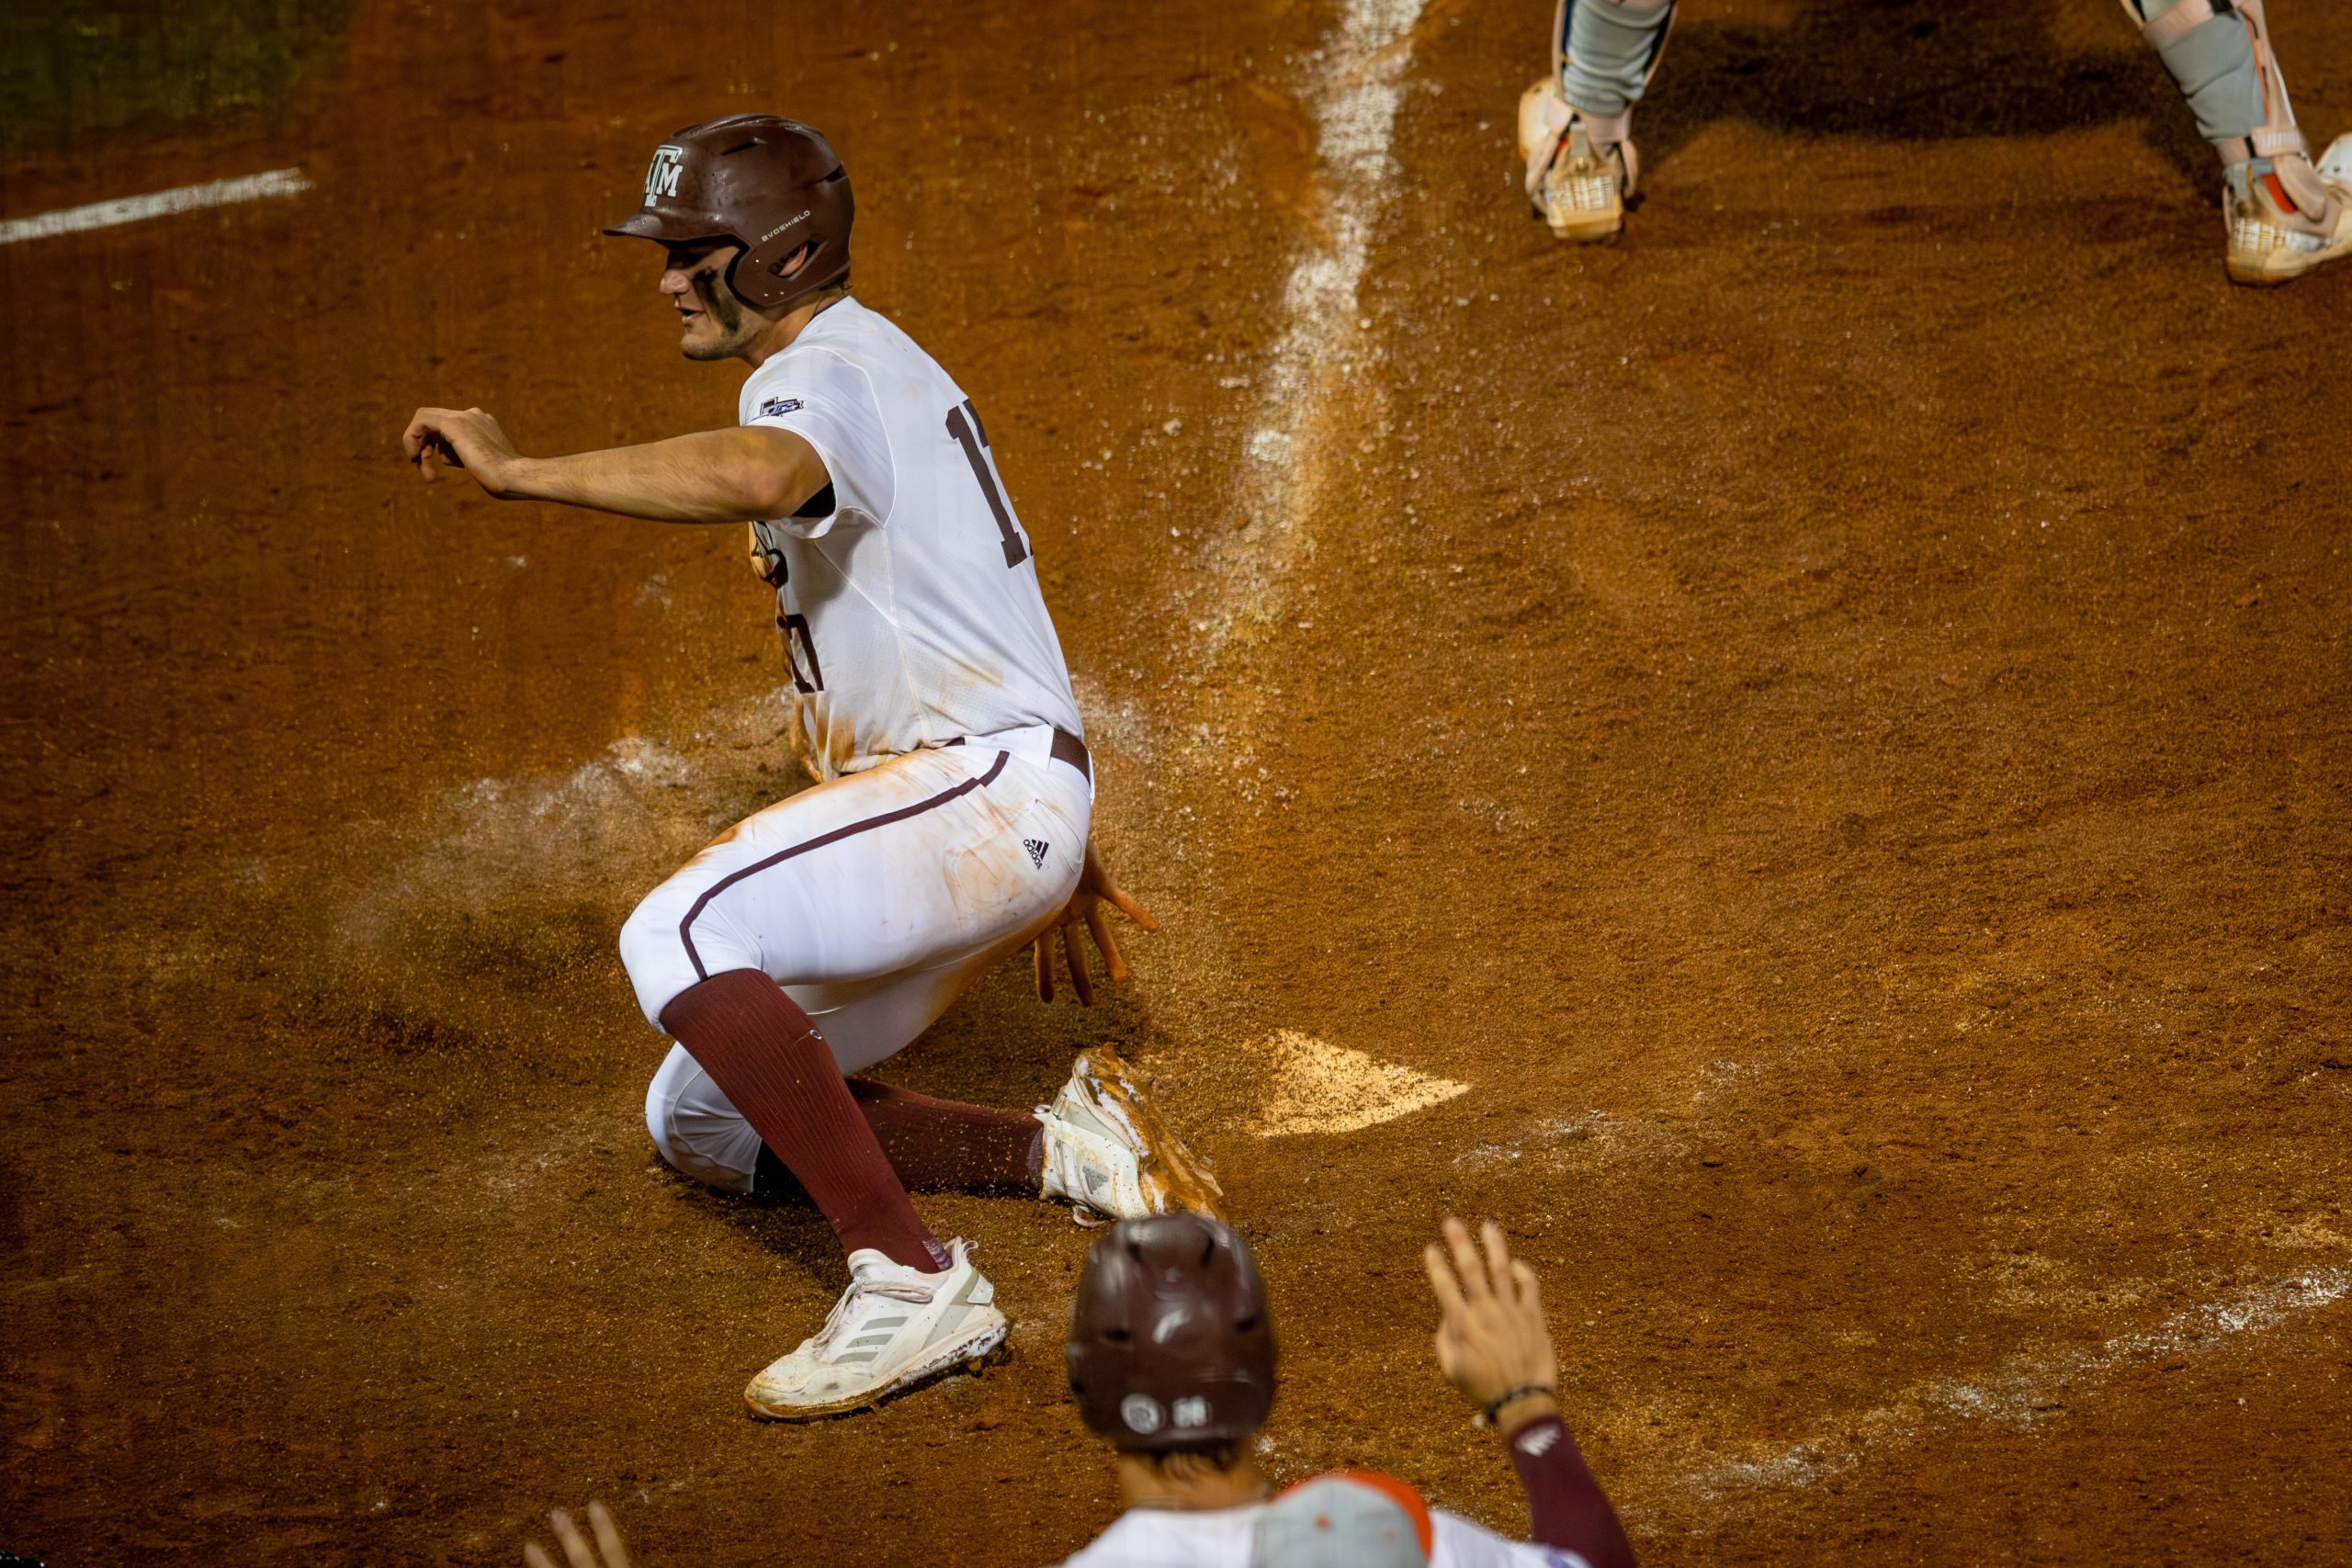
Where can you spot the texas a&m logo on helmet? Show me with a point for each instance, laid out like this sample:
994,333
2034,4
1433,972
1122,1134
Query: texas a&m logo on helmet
662,175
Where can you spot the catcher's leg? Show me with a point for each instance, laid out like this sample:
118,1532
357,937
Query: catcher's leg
1575,126
2285,215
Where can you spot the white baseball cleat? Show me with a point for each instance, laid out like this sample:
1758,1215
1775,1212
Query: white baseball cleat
893,1328
1109,1155
2270,242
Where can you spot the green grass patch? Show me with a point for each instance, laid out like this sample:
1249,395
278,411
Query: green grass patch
71,72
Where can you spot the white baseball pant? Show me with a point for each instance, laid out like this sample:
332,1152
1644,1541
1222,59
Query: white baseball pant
874,900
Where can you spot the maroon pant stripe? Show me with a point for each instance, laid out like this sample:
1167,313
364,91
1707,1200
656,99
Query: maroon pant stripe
686,927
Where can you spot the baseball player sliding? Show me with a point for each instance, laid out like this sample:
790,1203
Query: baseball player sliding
950,825
2285,215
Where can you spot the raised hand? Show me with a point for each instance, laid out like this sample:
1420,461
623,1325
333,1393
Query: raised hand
606,1552
1095,889
1492,1343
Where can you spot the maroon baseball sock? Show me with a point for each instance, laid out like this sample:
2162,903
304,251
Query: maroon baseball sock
766,1055
937,1145
945,1144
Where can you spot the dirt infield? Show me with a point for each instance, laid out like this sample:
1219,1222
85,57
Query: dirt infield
1827,716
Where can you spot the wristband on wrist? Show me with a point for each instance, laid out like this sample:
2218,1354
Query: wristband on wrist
1487,1413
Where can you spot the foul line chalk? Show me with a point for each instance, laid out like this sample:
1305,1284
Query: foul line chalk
156,204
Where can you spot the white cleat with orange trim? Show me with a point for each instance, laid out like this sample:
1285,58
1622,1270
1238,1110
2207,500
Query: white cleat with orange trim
2297,217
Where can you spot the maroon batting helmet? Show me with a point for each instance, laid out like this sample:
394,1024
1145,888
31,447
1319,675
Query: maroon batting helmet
772,185
1169,1343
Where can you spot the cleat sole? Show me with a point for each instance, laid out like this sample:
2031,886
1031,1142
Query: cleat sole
985,1348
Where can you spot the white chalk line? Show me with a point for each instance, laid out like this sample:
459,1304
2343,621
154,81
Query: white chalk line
2024,1391
275,183
1361,88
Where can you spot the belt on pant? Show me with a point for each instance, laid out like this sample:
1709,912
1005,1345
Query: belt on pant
1067,748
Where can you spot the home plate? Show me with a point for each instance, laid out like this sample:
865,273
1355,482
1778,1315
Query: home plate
1320,1087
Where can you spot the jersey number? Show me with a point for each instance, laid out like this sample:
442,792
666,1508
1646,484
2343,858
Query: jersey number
796,642
963,424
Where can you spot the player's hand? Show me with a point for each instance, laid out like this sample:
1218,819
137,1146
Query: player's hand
461,438
1491,1338
1095,889
605,1552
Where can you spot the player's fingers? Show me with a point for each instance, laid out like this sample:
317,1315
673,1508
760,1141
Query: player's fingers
1462,1265
1530,1292
1043,946
1097,879
1081,981
1467,1267
533,1557
1497,1257
608,1535
1447,1289
1130,908
1115,965
1467,1263
575,1545
425,429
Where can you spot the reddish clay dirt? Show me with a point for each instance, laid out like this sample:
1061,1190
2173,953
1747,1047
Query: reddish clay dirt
1829,716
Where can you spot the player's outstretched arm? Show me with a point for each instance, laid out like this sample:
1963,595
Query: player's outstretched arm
1494,1346
605,1552
713,476
1095,889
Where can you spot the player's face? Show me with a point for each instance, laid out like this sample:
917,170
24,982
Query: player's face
715,323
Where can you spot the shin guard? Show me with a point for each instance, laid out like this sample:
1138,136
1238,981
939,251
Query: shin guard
2219,51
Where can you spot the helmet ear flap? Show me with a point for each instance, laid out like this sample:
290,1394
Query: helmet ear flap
764,281
766,277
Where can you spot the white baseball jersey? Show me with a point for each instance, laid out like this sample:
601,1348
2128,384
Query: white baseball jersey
910,606
1221,1538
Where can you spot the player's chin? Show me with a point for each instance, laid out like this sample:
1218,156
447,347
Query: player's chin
700,341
